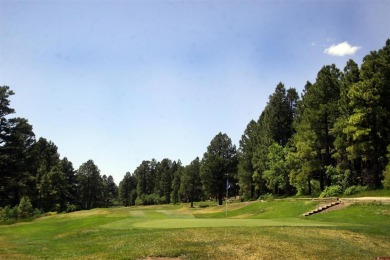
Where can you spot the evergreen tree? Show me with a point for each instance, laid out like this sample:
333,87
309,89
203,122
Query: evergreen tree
191,185
110,191
368,126
245,157
315,141
145,182
16,161
71,182
259,159
5,110
25,209
274,125
128,190
218,164
57,190
90,185
45,156
164,185
179,169
349,169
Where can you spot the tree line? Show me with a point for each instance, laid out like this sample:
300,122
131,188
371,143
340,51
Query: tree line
333,138
32,169
170,182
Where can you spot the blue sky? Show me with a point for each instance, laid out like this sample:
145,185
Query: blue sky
119,82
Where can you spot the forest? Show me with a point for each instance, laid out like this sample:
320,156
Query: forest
329,140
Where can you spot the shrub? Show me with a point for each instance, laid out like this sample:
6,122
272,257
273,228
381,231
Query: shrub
138,201
267,196
245,197
354,189
152,199
149,199
331,191
8,215
70,207
37,212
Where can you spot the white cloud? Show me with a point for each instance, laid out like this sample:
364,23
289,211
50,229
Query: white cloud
341,49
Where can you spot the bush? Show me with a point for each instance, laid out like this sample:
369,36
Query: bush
245,197
354,189
150,199
331,191
267,196
138,201
8,215
70,207
18,213
37,212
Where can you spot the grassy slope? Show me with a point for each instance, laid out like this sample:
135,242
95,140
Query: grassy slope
359,231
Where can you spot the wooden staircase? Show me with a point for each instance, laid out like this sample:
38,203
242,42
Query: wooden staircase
322,208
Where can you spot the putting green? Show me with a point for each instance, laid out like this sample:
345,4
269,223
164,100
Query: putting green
202,223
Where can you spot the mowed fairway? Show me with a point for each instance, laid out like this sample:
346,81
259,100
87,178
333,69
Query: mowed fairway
257,230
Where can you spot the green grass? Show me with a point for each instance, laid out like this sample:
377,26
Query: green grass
369,218
264,210
256,230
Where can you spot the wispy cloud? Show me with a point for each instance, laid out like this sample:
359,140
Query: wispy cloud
341,49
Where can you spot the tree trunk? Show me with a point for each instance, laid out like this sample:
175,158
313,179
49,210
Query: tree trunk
220,198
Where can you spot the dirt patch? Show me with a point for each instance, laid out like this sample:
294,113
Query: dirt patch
87,213
337,207
161,258
368,199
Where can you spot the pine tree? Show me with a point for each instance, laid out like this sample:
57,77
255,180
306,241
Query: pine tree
218,164
368,126
191,185
90,185
245,157
314,139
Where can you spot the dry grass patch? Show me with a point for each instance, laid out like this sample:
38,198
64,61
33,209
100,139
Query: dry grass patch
88,213
222,208
248,215
137,213
161,258
340,238
279,243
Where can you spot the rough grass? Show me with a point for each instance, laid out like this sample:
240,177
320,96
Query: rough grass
261,230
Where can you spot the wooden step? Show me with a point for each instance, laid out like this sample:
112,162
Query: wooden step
319,209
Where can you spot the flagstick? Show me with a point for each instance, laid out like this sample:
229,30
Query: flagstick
227,194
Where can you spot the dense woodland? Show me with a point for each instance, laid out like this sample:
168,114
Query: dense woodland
333,138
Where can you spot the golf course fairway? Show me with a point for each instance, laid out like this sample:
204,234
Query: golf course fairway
255,230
